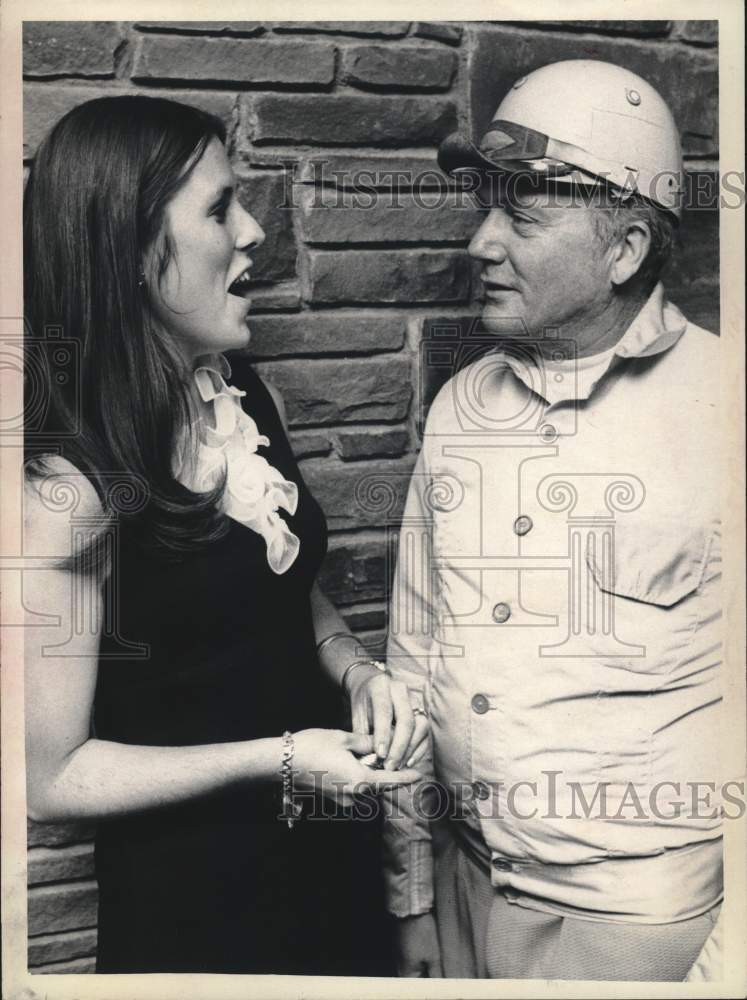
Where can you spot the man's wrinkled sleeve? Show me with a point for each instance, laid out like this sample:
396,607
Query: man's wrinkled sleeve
408,861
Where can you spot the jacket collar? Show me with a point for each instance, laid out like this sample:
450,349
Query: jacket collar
658,325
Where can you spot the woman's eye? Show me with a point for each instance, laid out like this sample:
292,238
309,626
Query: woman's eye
220,212
522,220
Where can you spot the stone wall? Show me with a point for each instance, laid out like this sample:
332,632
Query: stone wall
354,268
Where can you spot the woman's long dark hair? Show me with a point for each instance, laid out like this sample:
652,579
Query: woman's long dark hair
94,202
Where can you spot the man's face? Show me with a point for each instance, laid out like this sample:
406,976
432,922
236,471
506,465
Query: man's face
542,264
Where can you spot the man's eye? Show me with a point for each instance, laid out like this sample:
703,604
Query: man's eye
522,220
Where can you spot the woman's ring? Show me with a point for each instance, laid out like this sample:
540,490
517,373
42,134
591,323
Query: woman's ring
419,711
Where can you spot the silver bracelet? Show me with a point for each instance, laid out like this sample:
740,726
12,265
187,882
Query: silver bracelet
361,663
330,639
291,809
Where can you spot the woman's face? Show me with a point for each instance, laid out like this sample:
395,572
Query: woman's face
197,300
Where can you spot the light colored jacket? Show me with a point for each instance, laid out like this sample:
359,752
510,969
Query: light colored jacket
556,610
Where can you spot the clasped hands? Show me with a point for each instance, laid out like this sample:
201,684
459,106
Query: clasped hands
384,707
388,740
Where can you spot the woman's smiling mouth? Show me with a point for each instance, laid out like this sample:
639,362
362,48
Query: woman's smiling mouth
240,285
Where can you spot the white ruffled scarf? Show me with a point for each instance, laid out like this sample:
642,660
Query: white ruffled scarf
255,491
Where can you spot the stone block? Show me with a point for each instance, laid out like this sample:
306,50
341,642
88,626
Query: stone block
439,31
375,171
447,343
59,864
356,571
57,834
230,60
310,444
692,276
44,105
333,392
698,32
378,443
696,253
265,196
312,333
78,966
387,216
699,301
342,120
70,906
363,618
407,276
285,296
70,48
404,67
364,495
48,948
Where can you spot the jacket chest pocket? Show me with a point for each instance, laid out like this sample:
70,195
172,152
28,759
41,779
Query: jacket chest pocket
647,580
655,579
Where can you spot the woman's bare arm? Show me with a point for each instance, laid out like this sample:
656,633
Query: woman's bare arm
71,775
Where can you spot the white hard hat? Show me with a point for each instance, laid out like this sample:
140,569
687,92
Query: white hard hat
581,120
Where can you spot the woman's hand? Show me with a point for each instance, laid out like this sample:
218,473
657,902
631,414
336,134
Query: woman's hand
327,761
377,700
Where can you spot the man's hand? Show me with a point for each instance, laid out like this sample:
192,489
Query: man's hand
418,952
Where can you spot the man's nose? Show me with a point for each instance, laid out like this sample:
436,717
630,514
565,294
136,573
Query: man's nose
488,243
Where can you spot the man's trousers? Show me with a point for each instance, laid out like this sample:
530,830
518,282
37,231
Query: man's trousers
485,936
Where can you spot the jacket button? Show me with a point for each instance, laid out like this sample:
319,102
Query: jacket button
523,524
480,704
548,433
481,789
501,865
501,613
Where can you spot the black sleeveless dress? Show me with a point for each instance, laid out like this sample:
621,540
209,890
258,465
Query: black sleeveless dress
220,884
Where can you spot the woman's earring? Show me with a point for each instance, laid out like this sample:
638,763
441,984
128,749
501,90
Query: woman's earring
140,277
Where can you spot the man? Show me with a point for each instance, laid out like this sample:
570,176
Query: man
555,608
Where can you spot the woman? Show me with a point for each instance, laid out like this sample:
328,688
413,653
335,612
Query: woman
175,715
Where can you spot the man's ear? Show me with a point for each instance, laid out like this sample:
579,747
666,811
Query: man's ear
630,252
